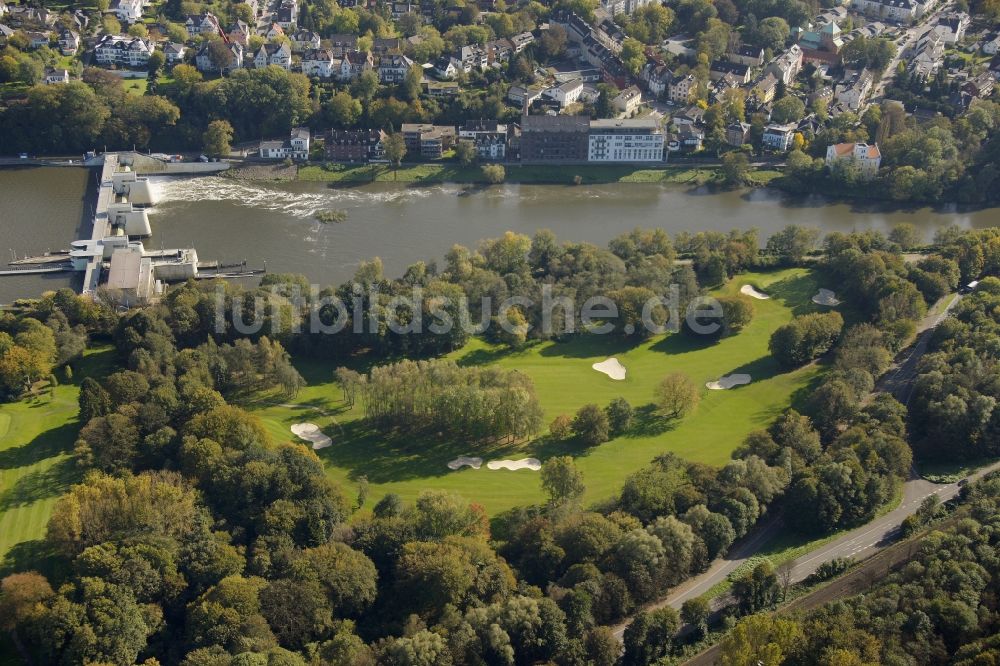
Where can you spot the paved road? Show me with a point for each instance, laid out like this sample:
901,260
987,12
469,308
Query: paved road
861,544
858,543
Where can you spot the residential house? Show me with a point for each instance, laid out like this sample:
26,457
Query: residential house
273,32
763,91
365,145
855,88
173,53
778,137
554,139
204,62
521,41
498,53
902,11
720,68
679,89
928,55
385,45
657,78
37,40
354,63
523,96
6,32
393,68
123,51
625,140
445,68
991,44
26,15
628,101
197,24
3,8
273,54
303,40
441,88
473,128
240,33
58,75
127,11
980,86
428,141
747,55
597,45
689,139
287,15
341,44
491,146
468,58
627,7
866,156
69,42
952,26
80,20
995,67
295,147
737,133
565,93
691,115
786,66
320,63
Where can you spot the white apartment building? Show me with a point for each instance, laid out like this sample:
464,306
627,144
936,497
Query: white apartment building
634,140
123,51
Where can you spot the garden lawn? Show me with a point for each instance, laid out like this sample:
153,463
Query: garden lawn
36,465
565,381
444,172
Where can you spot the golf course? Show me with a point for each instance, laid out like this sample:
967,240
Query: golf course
37,434
564,381
36,464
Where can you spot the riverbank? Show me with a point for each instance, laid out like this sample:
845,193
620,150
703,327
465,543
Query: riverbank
586,174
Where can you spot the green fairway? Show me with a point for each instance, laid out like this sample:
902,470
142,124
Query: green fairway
565,381
36,440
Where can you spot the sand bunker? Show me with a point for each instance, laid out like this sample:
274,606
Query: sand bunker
825,297
311,433
729,381
612,368
749,290
463,461
524,463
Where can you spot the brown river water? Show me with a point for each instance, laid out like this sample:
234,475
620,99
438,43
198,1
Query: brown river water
273,225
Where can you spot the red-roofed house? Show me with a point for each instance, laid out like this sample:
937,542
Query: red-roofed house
867,156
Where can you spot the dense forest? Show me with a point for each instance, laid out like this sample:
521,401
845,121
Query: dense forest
196,538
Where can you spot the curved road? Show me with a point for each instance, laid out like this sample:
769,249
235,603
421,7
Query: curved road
858,543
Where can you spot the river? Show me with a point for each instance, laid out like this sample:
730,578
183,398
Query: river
272,223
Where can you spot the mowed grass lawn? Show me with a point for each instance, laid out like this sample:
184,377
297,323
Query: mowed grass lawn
565,381
36,465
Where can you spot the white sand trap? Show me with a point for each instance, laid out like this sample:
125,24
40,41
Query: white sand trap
729,381
825,297
749,290
524,463
311,433
463,461
612,368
